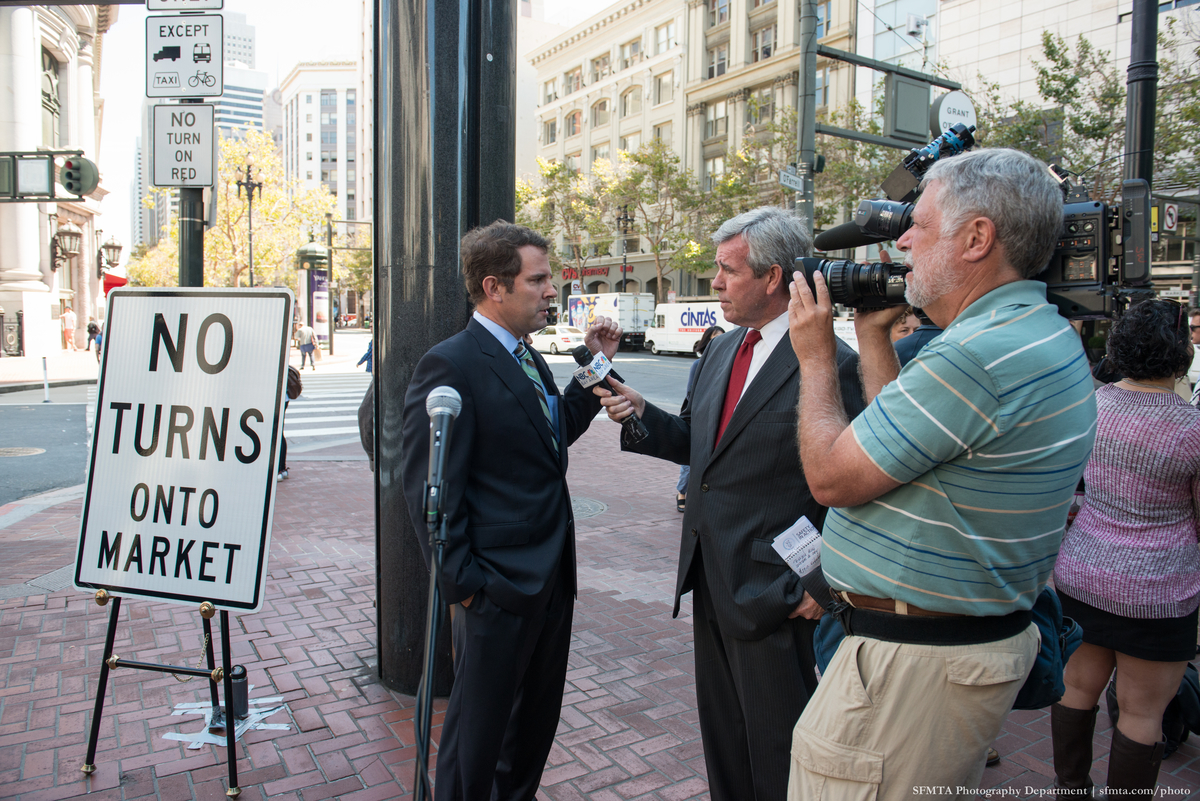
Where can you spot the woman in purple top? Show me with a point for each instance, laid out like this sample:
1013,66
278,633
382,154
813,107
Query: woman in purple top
1129,567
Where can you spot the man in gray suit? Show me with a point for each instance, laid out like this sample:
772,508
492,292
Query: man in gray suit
753,621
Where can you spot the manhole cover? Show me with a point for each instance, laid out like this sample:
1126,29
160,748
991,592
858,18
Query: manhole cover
21,451
586,507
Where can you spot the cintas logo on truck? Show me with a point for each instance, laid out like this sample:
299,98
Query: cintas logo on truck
700,318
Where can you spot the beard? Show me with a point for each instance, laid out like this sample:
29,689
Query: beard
936,278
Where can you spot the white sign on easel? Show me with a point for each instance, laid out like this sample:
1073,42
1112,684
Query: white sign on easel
189,418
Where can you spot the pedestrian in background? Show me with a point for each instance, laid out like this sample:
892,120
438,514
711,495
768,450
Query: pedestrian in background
69,321
1129,569
304,338
905,324
369,356
93,331
685,471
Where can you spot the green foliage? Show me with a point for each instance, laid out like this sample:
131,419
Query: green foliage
284,214
578,206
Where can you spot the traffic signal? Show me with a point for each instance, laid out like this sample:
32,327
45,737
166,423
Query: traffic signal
79,176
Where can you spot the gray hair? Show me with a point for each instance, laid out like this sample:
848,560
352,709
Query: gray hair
773,236
1013,190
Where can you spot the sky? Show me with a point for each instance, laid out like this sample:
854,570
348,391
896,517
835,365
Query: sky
286,31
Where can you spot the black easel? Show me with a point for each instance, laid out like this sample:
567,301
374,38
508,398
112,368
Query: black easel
213,674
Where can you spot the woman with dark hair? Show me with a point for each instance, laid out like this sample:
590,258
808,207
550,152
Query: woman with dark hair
1129,568
710,333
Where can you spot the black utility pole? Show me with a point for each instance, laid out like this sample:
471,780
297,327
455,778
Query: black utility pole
191,232
623,222
245,181
330,287
445,94
1141,96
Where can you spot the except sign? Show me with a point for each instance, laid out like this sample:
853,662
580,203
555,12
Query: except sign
184,145
189,417
185,55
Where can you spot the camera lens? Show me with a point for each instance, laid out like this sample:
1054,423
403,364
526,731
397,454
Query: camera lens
884,218
859,286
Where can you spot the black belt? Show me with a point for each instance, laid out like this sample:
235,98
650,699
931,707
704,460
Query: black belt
915,630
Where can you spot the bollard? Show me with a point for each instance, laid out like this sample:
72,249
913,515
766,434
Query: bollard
241,693
45,380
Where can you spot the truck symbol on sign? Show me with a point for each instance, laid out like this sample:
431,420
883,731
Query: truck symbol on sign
170,51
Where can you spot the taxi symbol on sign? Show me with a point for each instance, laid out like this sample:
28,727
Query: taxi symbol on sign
163,80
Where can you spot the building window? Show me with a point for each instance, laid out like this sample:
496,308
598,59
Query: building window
573,81
822,93
328,137
308,157
574,123
631,142
718,11
714,168
716,119
308,137
51,106
350,96
308,118
600,152
351,175
328,175
308,98
329,157
631,102
550,91
600,67
309,175
664,133
762,43
664,38
718,60
601,113
328,97
761,108
823,19
573,163
351,138
550,132
351,116
631,53
664,87
328,118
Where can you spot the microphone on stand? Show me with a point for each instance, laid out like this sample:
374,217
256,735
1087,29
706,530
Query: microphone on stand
443,405
594,369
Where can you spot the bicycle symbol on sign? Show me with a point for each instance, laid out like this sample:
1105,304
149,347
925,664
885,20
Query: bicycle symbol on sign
202,78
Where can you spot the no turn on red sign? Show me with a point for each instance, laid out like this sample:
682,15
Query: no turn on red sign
189,417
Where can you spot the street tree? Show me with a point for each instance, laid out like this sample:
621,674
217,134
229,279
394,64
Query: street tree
576,206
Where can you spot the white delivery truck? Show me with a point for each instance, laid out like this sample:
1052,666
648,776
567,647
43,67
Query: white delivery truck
632,311
678,326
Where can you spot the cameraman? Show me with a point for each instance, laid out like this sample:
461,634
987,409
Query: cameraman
949,494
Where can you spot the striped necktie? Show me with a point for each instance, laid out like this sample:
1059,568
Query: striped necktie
526,360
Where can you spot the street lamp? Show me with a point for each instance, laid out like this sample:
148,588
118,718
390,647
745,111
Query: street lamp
108,256
624,221
65,244
245,180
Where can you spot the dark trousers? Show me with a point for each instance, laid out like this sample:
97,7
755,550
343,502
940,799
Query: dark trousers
509,673
749,694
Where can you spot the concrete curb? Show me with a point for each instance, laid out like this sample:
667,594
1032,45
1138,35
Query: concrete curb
25,387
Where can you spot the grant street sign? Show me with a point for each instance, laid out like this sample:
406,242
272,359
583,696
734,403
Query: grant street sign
184,56
184,145
189,418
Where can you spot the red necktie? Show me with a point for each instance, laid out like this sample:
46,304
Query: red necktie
737,378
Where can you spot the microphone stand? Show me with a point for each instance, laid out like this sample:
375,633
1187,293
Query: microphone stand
435,522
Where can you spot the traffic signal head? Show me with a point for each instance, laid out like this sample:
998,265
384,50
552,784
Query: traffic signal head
79,176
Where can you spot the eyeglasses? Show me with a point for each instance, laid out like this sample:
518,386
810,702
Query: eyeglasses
1194,327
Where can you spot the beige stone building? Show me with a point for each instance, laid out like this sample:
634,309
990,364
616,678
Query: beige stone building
692,74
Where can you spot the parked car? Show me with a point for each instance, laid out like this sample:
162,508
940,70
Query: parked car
557,339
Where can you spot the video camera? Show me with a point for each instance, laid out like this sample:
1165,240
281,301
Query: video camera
1100,264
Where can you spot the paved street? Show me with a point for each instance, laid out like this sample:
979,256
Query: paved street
629,723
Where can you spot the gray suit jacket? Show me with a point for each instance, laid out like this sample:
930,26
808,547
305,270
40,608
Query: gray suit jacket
749,487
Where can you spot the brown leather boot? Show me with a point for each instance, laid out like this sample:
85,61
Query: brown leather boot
1071,730
1133,765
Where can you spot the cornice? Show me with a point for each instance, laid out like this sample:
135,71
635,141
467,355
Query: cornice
587,29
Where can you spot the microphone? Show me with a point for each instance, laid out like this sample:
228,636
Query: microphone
443,405
845,236
593,370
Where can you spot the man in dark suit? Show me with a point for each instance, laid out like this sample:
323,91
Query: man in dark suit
510,558
753,620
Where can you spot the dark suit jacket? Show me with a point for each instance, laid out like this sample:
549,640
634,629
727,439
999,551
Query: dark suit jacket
908,347
748,488
508,513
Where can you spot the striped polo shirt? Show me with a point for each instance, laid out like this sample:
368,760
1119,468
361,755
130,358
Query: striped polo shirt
988,430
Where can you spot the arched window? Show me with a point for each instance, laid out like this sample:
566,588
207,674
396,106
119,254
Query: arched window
631,102
601,113
574,123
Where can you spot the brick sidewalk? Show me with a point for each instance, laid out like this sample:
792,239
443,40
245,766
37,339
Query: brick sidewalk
629,725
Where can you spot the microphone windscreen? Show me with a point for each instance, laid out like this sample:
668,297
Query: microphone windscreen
443,400
845,236
582,355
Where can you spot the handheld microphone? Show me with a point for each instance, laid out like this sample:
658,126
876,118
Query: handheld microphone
443,405
593,370
845,236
